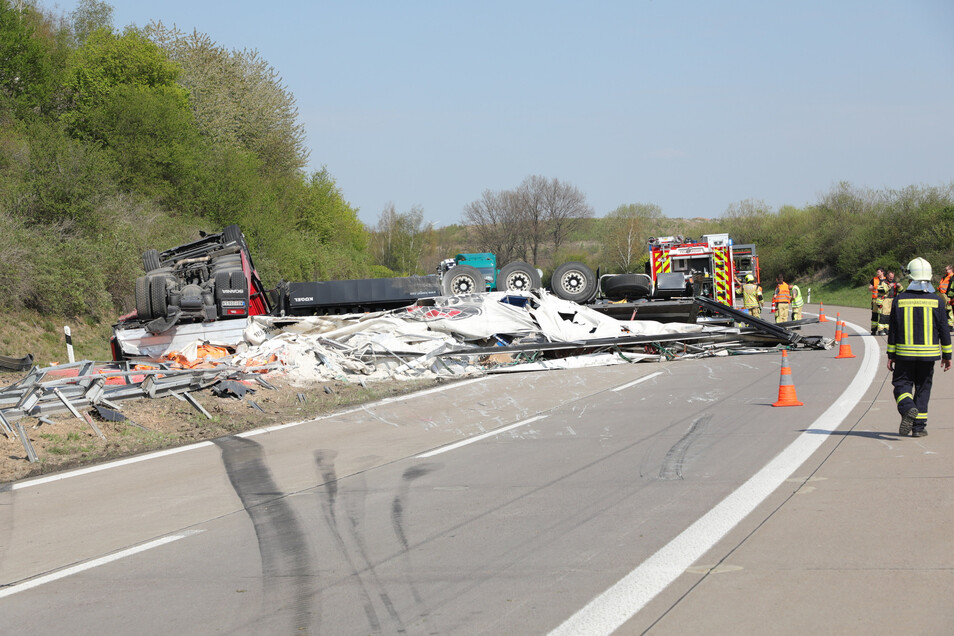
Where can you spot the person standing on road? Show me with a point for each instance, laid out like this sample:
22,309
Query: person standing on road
918,336
752,296
782,299
893,289
797,302
946,290
878,290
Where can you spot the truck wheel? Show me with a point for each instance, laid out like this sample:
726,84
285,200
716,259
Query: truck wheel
157,296
462,280
518,276
574,281
150,260
631,286
233,233
143,306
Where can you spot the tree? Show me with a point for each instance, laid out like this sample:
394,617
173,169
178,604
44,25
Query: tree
28,68
108,61
626,231
400,239
238,98
89,16
497,223
551,210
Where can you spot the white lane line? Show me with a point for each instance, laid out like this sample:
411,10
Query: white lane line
181,449
635,382
471,440
610,610
88,565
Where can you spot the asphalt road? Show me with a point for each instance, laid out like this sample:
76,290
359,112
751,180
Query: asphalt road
520,504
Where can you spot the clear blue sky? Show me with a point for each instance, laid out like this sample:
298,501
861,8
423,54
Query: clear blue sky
688,105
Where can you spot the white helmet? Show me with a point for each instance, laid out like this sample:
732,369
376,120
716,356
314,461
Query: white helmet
919,269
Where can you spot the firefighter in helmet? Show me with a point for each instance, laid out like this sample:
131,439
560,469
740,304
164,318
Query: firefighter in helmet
752,296
918,336
893,289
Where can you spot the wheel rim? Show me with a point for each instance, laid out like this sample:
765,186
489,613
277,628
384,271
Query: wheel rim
463,285
518,282
573,281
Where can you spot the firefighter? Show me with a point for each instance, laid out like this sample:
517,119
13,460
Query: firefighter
752,296
918,336
946,290
782,300
878,290
893,289
797,301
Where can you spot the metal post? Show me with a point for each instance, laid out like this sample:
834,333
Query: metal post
69,344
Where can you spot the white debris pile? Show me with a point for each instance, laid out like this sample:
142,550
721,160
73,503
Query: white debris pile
416,342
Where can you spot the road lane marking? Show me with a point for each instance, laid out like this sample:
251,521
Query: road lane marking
635,382
181,449
610,610
88,565
477,438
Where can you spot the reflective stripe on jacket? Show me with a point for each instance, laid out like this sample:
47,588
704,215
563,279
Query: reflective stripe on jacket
783,294
917,328
797,300
751,295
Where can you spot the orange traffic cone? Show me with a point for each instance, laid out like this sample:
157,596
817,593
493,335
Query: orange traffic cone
838,333
786,388
844,351
821,312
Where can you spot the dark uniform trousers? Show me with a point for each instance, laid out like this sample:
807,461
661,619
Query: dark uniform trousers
915,377
917,338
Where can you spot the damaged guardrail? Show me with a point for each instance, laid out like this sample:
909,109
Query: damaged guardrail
82,386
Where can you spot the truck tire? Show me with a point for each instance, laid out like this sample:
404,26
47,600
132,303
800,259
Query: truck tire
150,260
630,286
574,281
462,280
233,233
157,296
143,302
518,276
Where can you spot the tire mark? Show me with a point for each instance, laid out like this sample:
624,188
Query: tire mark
325,461
675,459
397,521
287,561
355,508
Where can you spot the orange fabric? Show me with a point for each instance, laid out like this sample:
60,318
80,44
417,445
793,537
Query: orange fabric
944,284
783,294
204,359
874,284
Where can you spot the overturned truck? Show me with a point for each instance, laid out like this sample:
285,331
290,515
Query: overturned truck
209,288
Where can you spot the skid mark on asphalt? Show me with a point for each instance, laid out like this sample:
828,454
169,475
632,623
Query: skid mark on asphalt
398,509
676,457
286,558
324,459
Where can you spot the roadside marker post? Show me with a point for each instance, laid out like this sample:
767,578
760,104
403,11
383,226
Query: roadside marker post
69,344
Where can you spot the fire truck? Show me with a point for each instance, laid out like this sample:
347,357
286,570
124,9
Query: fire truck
711,267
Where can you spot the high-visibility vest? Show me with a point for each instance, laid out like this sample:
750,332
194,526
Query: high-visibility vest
797,300
751,295
875,282
943,285
783,294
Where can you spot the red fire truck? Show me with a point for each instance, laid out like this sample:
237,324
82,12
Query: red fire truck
712,266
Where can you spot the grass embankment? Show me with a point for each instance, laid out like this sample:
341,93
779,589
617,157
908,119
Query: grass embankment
836,294
24,332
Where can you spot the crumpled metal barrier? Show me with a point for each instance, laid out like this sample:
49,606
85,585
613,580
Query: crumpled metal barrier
82,386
